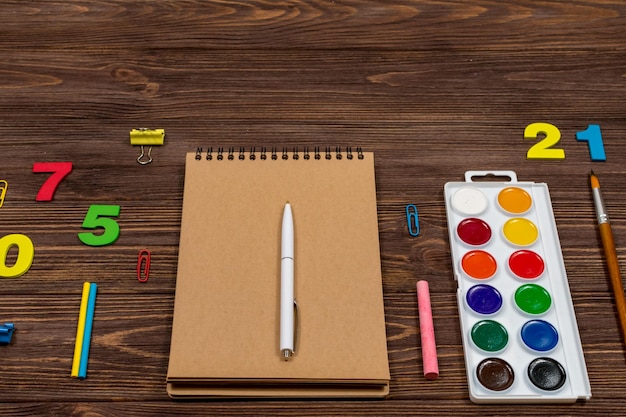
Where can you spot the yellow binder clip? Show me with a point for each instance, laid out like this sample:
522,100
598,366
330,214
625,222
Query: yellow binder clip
3,191
146,137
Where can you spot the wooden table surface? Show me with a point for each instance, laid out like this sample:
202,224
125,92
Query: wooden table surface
433,88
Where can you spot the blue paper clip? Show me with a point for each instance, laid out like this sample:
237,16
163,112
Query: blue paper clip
412,220
6,332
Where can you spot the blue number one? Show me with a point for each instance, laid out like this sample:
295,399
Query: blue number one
593,136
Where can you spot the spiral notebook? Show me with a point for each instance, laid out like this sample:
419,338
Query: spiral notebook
225,335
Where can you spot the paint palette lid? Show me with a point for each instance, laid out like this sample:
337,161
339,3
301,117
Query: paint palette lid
520,336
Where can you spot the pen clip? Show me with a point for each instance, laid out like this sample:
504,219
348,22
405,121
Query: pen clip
296,326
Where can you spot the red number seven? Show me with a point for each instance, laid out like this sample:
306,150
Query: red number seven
59,171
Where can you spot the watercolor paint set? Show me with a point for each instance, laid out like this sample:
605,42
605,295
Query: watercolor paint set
520,335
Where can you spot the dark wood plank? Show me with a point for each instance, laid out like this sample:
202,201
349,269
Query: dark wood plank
315,25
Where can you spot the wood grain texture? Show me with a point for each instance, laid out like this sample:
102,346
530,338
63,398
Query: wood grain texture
433,88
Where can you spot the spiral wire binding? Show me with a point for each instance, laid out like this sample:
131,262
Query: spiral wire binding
231,152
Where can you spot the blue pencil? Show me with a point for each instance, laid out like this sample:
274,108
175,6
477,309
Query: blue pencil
84,356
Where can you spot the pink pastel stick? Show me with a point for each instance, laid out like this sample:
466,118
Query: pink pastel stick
427,330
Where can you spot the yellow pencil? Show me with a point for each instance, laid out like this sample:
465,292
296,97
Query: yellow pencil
78,347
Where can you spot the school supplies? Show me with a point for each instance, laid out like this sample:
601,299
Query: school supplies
58,171
4,185
609,253
143,265
520,335
288,305
83,331
427,332
412,220
25,255
6,333
226,326
146,137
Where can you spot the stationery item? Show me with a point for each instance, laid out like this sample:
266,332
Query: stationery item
412,220
25,255
519,330
4,185
427,332
593,136
226,325
59,171
610,254
91,306
146,137
80,330
143,265
105,231
544,149
287,299
83,332
6,333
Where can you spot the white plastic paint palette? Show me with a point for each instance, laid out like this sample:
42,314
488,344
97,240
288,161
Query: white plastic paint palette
520,335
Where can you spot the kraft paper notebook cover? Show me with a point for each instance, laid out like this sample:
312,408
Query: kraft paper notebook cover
225,335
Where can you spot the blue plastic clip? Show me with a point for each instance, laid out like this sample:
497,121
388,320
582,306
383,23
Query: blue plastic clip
412,220
6,332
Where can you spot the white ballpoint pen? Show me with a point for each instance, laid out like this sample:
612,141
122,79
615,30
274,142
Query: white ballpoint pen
287,298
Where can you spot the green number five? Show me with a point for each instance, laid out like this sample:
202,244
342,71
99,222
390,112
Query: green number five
98,217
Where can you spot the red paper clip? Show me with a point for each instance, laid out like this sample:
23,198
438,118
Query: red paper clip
144,255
